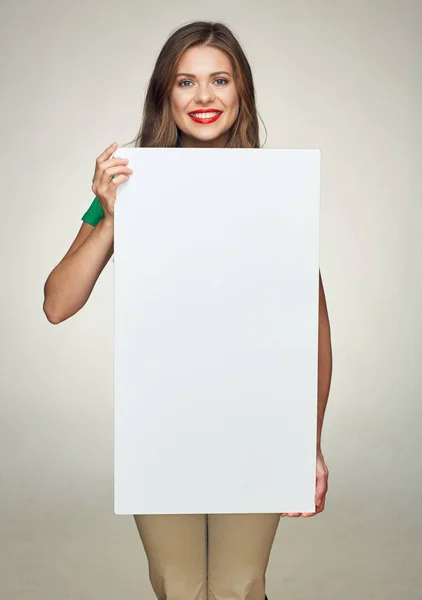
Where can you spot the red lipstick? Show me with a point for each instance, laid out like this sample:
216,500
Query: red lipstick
193,115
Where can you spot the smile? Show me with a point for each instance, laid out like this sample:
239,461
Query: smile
205,118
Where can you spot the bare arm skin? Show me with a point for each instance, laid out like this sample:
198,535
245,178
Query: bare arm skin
71,282
325,360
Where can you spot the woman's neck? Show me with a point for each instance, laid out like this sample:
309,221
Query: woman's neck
187,141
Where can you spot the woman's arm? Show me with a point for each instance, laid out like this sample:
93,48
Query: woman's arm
71,282
325,361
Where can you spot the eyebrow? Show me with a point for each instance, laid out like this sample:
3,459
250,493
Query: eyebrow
211,74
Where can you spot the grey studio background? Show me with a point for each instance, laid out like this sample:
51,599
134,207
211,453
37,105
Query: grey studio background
341,76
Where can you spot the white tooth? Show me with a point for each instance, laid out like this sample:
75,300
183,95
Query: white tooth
206,115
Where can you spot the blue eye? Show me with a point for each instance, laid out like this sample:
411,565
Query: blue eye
188,81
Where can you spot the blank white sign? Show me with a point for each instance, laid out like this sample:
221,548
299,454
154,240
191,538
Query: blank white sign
216,331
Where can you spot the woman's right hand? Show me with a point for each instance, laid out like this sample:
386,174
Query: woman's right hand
103,186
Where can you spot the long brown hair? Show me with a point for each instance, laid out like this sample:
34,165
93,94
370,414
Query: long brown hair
158,128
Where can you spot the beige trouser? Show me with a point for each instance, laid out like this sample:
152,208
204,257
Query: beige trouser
208,557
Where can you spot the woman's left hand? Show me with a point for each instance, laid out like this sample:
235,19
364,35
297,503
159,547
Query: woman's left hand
321,488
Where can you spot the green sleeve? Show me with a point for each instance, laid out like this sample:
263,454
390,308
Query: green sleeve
94,214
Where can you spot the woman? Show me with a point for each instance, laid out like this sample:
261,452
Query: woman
201,69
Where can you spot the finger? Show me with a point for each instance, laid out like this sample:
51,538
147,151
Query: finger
105,177
294,514
116,181
107,152
119,179
109,167
321,489
306,515
321,506
320,494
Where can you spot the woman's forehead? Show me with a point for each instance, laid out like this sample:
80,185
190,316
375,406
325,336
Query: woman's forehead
202,60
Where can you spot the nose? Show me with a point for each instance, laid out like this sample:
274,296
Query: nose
204,93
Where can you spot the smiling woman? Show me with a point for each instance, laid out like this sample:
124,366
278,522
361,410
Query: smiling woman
201,69
201,94
205,110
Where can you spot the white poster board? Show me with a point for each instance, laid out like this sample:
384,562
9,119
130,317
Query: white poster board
216,259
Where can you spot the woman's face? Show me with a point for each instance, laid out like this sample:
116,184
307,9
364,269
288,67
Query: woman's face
204,80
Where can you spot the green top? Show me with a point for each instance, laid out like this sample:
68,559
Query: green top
94,214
